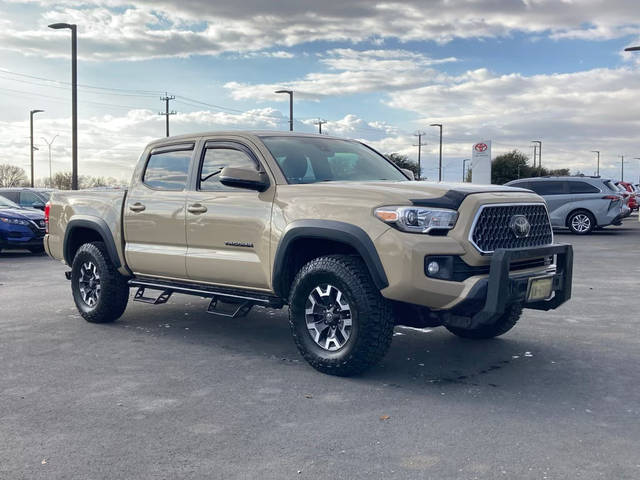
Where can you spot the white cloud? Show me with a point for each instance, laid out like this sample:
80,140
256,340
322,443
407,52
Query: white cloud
137,29
351,71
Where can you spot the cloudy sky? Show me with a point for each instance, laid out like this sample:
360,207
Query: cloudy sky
510,71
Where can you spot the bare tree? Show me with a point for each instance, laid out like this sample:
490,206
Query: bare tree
12,176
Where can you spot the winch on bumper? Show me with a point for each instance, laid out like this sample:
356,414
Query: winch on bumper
491,296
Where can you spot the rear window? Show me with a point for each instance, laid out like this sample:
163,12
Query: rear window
548,187
168,170
582,187
611,186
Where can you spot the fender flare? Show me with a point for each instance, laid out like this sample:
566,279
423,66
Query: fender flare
341,232
96,224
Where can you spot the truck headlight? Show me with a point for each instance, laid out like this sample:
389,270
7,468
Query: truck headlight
418,219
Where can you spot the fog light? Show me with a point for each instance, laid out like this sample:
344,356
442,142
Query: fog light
433,268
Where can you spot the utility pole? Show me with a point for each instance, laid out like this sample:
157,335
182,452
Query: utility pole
440,160
598,164
320,122
535,155
419,134
166,112
464,163
49,145
622,172
31,113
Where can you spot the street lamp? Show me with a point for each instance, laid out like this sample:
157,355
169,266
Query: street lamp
539,156
74,100
598,168
464,163
440,161
290,93
31,113
49,145
637,158
632,49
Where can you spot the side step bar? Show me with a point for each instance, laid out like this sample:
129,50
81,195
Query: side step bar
241,301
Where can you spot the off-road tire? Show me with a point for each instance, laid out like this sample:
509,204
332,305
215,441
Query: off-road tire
589,218
114,290
371,314
500,326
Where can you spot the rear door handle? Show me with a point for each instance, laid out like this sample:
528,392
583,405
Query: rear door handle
137,207
196,208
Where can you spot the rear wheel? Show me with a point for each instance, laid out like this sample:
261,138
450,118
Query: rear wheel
99,291
581,222
501,325
339,321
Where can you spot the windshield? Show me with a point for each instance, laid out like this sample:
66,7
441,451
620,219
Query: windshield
312,159
6,203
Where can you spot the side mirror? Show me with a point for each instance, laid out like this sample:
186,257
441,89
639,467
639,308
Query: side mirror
408,173
244,178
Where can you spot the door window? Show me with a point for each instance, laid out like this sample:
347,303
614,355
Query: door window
28,199
217,158
548,187
168,170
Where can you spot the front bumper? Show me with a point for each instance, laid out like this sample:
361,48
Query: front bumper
491,296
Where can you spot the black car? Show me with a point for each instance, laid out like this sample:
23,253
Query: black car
27,197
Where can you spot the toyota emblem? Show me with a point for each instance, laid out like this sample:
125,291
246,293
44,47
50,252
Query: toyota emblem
520,226
480,147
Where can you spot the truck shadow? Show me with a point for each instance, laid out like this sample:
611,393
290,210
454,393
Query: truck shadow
419,359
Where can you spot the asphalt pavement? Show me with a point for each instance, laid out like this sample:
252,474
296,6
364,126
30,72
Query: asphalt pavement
171,392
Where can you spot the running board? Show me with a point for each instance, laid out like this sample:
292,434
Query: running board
228,296
239,309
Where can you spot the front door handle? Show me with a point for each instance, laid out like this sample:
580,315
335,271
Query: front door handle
137,207
196,208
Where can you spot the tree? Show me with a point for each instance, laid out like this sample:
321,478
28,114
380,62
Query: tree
514,165
402,161
62,181
12,176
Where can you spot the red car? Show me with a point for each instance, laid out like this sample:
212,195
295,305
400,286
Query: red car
634,196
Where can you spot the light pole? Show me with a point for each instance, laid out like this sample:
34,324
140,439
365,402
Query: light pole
49,145
464,163
74,100
539,156
31,113
622,168
637,158
290,93
440,161
598,167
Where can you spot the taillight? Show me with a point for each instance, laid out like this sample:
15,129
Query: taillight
606,197
47,208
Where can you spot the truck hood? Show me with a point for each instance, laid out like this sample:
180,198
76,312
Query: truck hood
442,195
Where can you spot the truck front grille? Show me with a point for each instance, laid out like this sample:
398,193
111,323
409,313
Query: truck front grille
492,230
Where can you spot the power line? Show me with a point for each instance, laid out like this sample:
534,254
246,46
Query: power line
320,122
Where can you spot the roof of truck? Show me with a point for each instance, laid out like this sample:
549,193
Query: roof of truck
240,133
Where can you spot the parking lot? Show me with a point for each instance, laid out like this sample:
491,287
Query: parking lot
173,392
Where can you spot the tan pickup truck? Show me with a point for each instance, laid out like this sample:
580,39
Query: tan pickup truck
327,226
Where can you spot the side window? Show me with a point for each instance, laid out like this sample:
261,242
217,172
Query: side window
167,170
582,187
28,198
548,187
13,196
217,158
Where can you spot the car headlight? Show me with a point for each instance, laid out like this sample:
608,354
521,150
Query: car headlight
418,219
14,221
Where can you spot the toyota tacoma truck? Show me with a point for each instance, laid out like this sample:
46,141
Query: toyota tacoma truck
326,226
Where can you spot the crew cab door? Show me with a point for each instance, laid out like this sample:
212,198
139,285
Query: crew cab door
228,228
154,213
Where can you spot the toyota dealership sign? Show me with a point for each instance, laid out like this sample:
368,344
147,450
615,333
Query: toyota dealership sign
481,162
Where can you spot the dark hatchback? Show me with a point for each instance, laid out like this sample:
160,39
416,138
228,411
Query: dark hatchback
21,227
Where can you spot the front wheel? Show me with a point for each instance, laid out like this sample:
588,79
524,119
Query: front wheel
581,223
339,321
501,325
99,291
